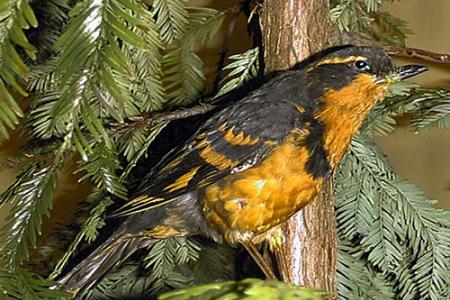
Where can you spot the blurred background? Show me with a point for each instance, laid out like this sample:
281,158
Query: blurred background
423,159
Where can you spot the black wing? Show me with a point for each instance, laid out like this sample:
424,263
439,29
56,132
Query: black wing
234,139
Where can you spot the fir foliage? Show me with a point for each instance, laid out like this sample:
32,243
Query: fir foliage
243,67
166,255
434,109
92,65
398,233
89,229
30,198
170,264
15,18
365,17
22,284
392,240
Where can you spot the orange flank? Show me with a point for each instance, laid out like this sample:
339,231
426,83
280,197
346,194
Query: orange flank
339,117
253,201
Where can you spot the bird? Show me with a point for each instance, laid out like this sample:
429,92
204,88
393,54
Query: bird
254,164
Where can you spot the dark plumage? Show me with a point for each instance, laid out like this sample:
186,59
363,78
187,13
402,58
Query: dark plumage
253,164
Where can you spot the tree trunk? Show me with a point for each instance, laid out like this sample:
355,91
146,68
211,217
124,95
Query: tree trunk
292,31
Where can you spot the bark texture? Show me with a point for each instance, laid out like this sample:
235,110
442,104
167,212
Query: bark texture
293,30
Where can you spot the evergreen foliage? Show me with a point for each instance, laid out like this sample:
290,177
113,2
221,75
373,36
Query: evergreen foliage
22,284
364,16
392,242
388,228
15,17
84,68
243,68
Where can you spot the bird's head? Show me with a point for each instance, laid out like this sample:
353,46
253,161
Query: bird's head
356,76
347,84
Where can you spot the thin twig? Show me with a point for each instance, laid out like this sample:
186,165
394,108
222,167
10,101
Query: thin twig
148,122
421,54
425,55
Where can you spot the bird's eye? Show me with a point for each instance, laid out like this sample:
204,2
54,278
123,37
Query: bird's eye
362,65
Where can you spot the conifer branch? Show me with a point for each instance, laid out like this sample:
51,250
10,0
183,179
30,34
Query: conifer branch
422,54
148,122
401,51
106,75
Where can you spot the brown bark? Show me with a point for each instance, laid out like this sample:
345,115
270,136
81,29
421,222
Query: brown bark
292,31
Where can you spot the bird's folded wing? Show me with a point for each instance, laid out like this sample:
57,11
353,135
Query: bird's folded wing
235,139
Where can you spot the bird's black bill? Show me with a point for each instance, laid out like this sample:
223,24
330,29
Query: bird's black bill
408,71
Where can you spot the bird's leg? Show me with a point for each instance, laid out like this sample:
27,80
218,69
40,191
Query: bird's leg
267,255
282,263
257,257
276,241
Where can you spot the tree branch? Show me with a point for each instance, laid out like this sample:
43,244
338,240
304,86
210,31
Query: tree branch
421,54
424,55
149,121
292,31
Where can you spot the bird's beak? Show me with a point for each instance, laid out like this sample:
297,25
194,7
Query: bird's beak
403,72
408,71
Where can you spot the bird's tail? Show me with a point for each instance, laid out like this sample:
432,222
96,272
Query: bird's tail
109,255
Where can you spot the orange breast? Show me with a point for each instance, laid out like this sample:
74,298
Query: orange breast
251,202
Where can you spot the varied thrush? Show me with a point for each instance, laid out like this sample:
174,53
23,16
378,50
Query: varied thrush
253,164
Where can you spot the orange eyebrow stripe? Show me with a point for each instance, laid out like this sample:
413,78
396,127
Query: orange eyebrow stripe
340,60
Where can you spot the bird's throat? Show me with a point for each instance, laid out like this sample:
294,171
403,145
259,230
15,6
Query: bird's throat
343,112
